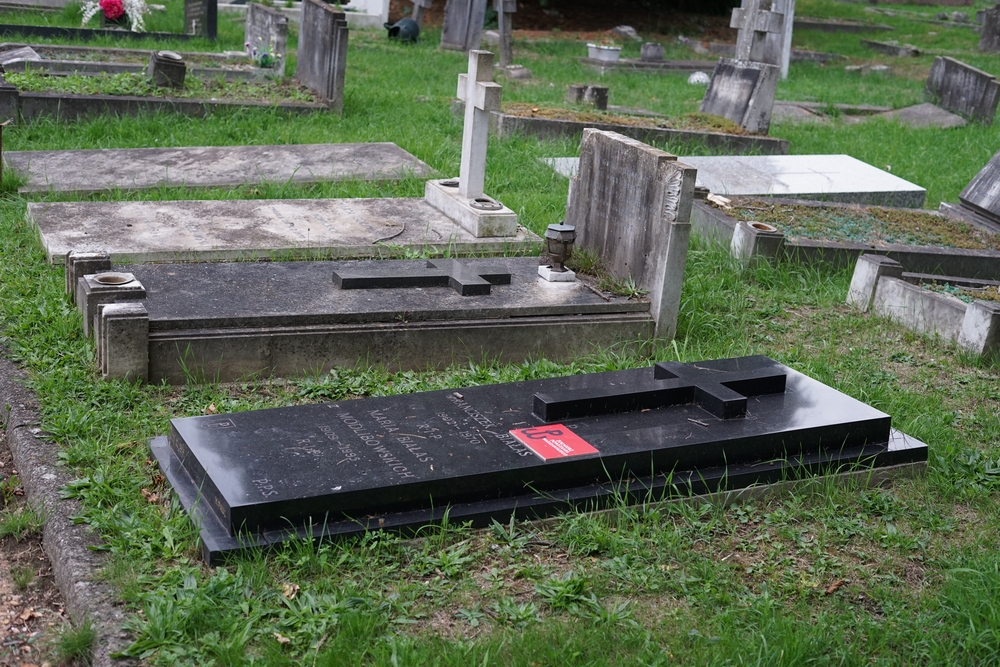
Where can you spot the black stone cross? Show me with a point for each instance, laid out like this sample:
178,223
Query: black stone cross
460,277
722,393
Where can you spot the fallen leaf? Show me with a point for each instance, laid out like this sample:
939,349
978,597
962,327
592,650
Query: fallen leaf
281,638
534,109
290,590
211,409
29,614
835,586
158,479
150,496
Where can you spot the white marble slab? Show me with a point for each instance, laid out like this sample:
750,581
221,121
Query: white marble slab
839,178
209,230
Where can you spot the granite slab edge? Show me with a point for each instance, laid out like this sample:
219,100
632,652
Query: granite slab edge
66,543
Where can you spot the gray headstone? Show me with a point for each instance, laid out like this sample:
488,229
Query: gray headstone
965,90
743,92
631,204
651,52
463,24
989,37
982,194
267,30
419,7
323,52
597,96
201,17
23,53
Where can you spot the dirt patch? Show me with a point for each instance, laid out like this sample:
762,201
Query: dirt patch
863,224
31,608
701,122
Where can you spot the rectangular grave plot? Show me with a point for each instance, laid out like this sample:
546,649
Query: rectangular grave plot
354,465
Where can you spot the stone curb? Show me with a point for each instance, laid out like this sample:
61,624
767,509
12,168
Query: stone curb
67,544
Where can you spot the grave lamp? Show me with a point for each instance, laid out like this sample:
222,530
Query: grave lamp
559,241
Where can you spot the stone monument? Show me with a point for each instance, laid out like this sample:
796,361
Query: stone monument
631,205
743,92
463,24
322,60
464,200
963,89
989,37
524,450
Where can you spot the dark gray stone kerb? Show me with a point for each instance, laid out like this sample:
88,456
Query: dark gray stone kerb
66,544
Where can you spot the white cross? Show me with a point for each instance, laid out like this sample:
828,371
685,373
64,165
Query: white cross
754,23
481,96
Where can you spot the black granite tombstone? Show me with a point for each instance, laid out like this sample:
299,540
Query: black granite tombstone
525,448
201,18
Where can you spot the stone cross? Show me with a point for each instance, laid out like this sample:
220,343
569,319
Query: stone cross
460,277
481,96
722,393
754,23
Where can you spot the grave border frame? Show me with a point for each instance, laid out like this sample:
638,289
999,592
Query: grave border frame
714,224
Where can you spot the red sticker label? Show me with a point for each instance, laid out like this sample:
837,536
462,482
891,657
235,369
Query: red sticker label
553,441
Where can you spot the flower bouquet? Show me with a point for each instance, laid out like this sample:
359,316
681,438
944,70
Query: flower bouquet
265,57
121,12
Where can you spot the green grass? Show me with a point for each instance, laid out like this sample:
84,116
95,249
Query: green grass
679,583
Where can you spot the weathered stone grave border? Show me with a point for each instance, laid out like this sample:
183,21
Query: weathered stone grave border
656,67
506,125
840,25
880,285
32,106
753,240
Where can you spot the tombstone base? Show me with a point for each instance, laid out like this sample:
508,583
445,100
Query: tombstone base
900,454
516,72
487,218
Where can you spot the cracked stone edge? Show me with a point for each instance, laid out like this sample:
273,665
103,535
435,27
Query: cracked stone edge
66,543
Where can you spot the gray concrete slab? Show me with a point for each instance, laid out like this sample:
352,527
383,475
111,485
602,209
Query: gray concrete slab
925,115
85,171
838,178
205,230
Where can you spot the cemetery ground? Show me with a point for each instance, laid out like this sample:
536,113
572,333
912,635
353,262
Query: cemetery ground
833,571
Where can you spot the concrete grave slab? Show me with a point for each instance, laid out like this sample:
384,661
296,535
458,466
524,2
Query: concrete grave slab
85,171
925,115
838,178
163,231
228,320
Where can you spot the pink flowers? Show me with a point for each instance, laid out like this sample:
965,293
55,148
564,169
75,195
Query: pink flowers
113,9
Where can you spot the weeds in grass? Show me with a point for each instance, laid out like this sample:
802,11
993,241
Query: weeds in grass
22,576
21,523
75,643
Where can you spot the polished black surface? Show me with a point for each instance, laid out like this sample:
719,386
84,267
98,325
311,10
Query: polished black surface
722,394
465,279
289,467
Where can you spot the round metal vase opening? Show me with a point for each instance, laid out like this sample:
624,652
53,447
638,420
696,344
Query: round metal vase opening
113,278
